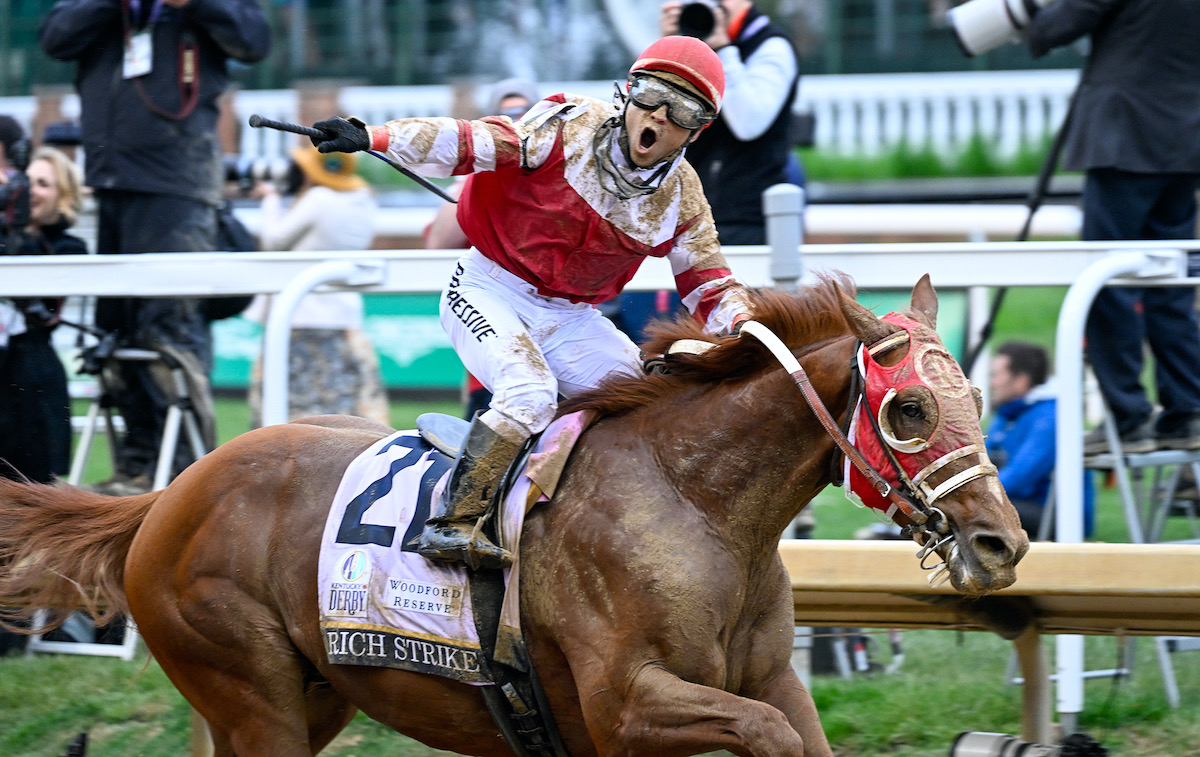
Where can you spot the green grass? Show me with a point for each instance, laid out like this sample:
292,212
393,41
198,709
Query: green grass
949,681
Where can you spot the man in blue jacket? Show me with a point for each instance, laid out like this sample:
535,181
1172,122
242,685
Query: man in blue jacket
1020,440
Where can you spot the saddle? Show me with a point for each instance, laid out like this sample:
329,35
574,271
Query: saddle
445,432
517,702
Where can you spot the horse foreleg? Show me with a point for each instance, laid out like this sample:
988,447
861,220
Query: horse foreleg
787,694
664,715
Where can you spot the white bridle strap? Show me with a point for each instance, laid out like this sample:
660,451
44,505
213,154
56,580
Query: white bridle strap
983,468
949,457
888,342
957,480
772,343
689,347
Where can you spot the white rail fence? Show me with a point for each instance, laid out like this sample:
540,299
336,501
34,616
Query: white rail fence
856,114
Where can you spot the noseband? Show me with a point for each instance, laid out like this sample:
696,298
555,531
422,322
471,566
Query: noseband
913,496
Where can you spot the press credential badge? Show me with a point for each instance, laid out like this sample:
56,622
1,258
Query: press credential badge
139,55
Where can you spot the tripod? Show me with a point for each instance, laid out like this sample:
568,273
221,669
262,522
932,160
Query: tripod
181,417
181,412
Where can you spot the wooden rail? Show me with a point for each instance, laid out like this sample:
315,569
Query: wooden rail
1111,589
1137,589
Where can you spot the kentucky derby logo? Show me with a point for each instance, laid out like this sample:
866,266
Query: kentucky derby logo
354,566
348,597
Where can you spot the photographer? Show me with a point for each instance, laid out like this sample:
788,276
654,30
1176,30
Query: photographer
1136,132
746,150
150,75
35,408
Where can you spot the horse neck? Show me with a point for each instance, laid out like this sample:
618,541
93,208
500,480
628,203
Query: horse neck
753,454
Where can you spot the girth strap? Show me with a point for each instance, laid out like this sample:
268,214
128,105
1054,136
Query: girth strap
516,701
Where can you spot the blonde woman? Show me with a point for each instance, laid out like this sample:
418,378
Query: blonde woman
35,409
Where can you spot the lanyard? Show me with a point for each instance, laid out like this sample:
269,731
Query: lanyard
132,10
188,63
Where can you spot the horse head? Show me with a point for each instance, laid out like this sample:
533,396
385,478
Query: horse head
917,424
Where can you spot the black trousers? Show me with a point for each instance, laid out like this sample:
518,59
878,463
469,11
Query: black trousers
35,410
137,222
1122,205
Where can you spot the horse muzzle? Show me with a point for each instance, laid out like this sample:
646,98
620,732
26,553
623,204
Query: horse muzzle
981,561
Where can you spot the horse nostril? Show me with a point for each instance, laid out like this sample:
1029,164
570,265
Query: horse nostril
994,547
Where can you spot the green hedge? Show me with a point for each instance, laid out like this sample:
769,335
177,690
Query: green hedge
979,158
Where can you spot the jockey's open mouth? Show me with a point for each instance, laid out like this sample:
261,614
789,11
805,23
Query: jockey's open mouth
648,138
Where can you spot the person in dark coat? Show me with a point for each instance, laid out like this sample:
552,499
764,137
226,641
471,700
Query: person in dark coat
35,408
1135,130
149,76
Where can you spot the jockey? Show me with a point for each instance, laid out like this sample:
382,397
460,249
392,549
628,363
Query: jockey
561,208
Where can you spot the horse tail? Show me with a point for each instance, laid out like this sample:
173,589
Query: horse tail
63,547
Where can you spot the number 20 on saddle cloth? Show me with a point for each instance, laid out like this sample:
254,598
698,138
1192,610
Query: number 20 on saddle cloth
383,604
922,466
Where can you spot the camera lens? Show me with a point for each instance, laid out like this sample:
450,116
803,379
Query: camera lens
696,20
978,744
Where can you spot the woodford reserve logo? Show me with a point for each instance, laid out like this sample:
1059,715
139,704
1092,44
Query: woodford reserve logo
417,596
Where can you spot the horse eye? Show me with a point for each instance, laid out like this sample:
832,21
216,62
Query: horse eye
911,409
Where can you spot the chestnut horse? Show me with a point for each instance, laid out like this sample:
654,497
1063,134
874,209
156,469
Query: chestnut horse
656,609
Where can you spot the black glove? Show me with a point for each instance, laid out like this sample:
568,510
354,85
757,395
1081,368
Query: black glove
342,135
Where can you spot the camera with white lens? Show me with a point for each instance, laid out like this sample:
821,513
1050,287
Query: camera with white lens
981,26
979,744
243,169
698,19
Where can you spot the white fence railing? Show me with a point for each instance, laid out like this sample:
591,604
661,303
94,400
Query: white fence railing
856,114
868,113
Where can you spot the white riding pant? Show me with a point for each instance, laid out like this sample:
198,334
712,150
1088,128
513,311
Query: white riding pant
526,348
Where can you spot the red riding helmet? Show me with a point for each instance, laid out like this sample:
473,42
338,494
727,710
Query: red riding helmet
688,58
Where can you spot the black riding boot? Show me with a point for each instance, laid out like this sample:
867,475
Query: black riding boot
453,533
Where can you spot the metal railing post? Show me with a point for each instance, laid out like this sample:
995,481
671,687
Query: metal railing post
1068,465
277,340
783,206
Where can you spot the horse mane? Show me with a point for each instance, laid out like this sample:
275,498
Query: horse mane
811,316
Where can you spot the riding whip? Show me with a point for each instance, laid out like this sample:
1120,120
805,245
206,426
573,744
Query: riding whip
258,122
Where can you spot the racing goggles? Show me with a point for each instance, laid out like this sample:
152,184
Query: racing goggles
683,108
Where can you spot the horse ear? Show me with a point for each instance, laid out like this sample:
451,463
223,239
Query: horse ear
925,303
867,326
